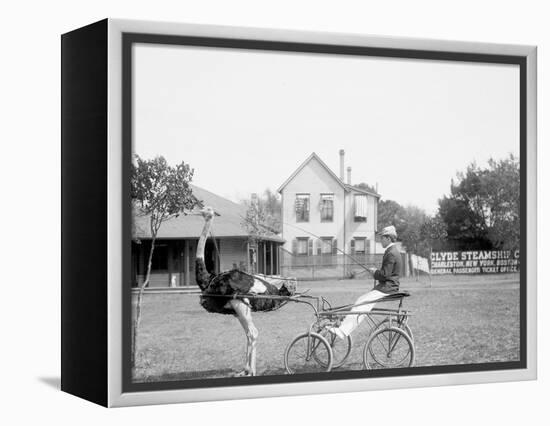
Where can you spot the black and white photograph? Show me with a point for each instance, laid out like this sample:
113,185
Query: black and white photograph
302,214
277,213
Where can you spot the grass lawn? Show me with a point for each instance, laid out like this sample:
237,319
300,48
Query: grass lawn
456,320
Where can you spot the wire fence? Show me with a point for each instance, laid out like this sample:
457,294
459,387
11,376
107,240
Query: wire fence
326,266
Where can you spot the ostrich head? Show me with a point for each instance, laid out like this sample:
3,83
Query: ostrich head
207,212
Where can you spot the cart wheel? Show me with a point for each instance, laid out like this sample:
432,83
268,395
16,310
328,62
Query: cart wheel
340,348
388,348
404,327
308,353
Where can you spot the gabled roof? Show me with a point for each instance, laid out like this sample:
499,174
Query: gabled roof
322,163
362,191
227,224
346,187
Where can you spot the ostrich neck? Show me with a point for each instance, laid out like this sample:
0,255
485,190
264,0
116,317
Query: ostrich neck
203,237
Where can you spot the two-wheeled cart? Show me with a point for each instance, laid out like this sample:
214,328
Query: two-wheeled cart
390,343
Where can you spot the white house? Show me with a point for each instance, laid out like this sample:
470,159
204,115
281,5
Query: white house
316,202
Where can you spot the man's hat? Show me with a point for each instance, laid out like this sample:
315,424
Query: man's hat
388,230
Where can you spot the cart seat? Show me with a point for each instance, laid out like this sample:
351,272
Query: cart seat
395,296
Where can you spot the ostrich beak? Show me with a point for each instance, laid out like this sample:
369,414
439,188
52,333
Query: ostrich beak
201,212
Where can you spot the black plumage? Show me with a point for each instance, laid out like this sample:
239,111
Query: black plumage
219,294
235,282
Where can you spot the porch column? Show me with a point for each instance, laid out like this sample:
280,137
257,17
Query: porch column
248,256
271,258
170,254
265,258
186,261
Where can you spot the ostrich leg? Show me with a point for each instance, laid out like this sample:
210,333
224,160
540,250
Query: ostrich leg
244,315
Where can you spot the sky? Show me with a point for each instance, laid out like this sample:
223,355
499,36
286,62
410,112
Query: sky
245,120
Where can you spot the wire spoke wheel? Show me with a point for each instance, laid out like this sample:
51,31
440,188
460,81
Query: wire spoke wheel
388,348
386,324
340,348
308,353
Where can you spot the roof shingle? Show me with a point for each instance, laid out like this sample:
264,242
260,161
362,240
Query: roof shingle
227,224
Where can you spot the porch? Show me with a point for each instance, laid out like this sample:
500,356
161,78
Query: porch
173,263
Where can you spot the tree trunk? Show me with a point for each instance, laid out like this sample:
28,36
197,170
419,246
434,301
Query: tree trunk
137,319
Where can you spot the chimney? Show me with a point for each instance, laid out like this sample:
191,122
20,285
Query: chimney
342,165
349,175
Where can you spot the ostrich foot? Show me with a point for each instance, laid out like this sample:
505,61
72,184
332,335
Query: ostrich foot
245,373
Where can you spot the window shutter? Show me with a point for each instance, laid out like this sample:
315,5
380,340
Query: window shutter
310,247
318,245
352,245
295,246
334,246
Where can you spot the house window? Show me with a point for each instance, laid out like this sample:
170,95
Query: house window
302,207
326,245
360,208
327,207
302,246
360,245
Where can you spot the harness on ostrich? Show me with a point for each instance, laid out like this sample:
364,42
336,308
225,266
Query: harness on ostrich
250,283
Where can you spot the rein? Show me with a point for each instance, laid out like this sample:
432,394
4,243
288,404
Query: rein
337,249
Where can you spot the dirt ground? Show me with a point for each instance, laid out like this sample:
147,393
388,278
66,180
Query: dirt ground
456,320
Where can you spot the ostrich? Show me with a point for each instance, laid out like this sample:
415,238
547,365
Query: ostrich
232,283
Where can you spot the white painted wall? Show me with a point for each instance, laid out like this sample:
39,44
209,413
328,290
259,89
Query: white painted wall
315,180
361,229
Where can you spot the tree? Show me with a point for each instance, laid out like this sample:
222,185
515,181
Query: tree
409,222
435,232
482,210
271,204
262,218
391,213
465,228
365,186
266,210
160,192
502,181
411,231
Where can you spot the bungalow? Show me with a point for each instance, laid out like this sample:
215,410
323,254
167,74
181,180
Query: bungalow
228,247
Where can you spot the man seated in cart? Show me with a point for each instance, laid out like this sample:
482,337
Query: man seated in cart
388,283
